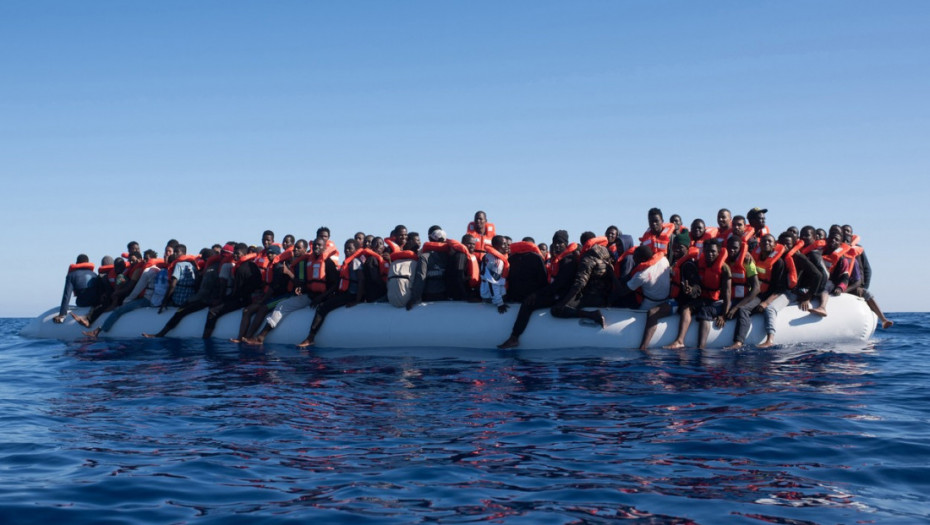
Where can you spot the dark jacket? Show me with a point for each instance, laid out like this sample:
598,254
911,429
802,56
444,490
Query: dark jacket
429,283
84,284
594,279
457,280
527,276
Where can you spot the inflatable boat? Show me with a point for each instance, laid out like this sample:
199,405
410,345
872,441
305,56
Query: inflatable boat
476,325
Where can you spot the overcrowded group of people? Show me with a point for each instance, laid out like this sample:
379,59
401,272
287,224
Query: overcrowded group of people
710,274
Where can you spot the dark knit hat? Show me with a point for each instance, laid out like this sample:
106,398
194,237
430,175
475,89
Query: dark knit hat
560,236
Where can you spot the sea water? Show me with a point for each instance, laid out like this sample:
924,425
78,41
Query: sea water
168,431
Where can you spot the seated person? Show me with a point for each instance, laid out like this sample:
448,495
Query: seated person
495,268
83,282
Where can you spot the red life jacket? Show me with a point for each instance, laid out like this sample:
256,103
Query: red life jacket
80,266
554,264
816,245
506,271
345,271
433,246
724,233
618,264
481,241
403,255
316,277
854,241
830,259
738,273
676,272
392,245
764,267
181,258
660,242
472,271
711,276
525,247
708,235
592,242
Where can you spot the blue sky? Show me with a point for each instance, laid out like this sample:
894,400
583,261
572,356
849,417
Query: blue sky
211,121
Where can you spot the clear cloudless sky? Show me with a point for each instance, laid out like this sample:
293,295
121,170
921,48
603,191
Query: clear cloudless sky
212,121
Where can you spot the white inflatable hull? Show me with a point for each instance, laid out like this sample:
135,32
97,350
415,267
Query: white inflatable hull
469,325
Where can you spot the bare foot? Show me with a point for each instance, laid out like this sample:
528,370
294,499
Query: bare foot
766,344
734,346
254,341
820,310
886,324
92,333
150,336
674,346
511,342
306,342
599,318
80,320
235,340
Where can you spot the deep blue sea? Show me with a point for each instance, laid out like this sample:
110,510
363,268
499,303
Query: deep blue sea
138,431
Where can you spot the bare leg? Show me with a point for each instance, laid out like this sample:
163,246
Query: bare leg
886,323
685,322
245,322
703,331
822,309
769,341
309,341
81,320
92,333
652,321
259,339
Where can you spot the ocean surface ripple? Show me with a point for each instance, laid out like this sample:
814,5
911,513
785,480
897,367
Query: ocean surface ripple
170,431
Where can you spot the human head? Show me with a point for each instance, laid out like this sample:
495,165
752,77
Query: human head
119,265
217,249
350,246
847,233
697,229
360,238
528,239
106,261
680,245
499,243
267,238
376,245
241,249
481,220
834,240
399,235
543,249
559,242
170,247
149,255
83,258
655,220
288,241
821,234
756,218
786,240
132,246
676,220
711,251
723,218
612,233
319,245
368,239
642,253
300,248
767,243
739,225
469,242
436,234
413,242
587,236
734,244
272,251
322,232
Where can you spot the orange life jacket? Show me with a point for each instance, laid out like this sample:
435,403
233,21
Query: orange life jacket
345,271
711,276
506,271
592,242
316,277
472,271
830,259
676,272
738,273
816,245
618,264
724,233
764,267
554,264
433,246
660,242
525,247
80,266
708,235
403,255
481,241
181,258
392,245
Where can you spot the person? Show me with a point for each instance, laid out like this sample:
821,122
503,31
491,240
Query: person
348,293
650,279
246,281
592,284
713,281
463,272
783,278
140,296
81,281
413,242
182,278
495,267
659,233
110,276
699,234
429,281
360,239
205,296
613,236
276,277
398,239
675,219
744,287
861,276
402,267
483,232
756,218
683,268
544,251
724,224
527,271
316,276
323,233
623,258
562,270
